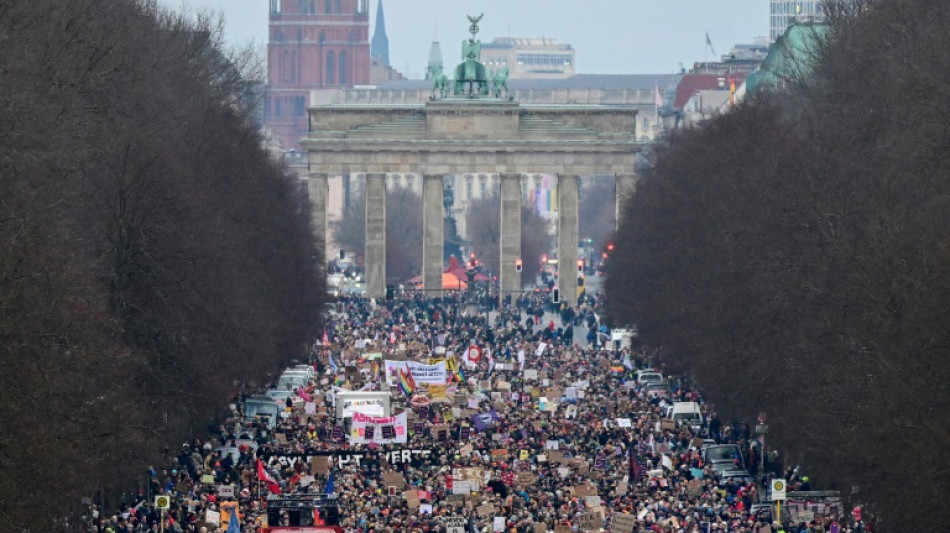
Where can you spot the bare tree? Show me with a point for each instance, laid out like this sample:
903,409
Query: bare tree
403,232
484,221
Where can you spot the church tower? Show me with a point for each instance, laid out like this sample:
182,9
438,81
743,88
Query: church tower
380,44
311,44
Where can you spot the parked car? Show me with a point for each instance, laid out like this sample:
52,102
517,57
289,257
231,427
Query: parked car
279,395
724,457
740,476
656,389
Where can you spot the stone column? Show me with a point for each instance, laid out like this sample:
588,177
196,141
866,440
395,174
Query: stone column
509,279
318,191
432,238
567,235
626,185
375,258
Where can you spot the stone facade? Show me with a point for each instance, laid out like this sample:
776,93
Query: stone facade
484,136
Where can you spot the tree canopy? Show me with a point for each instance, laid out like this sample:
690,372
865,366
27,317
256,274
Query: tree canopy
794,254
154,260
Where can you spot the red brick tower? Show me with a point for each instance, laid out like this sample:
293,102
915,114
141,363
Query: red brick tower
311,44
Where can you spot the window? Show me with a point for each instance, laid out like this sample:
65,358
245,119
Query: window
329,78
275,7
277,112
338,7
343,68
326,6
469,187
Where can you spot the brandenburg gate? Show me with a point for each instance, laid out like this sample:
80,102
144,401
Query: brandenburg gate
472,130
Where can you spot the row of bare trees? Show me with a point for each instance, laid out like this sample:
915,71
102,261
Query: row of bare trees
153,259
794,255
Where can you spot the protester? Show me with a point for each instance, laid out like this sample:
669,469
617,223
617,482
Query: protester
535,433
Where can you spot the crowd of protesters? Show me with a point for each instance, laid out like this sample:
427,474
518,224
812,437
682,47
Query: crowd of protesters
570,439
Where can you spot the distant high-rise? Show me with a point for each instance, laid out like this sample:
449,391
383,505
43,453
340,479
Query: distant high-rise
435,59
784,12
311,44
380,44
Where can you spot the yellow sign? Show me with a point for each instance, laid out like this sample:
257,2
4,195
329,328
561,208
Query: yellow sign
163,502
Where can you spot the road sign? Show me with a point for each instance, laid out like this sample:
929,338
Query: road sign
778,490
163,502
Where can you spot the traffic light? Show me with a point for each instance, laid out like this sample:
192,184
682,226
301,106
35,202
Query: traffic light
390,292
556,296
518,265
471,260
342,253
604,256
610,246
580,265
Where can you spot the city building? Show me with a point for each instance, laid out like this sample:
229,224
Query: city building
435,59
529,58
311,44
784,12
379,48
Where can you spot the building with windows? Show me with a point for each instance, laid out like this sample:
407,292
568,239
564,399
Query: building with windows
784,12
311,44
529,58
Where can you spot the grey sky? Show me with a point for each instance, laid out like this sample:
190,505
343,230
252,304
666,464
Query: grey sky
609,36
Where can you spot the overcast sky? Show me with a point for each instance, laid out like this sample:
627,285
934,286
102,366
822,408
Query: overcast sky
609,36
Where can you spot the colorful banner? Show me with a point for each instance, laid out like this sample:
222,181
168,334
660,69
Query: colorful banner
421,373
381,430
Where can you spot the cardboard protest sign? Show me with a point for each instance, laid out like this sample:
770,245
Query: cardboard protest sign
485,511
540,528
499,453
667,424
582,491
562,529
622,522
525,479
589,522
394,479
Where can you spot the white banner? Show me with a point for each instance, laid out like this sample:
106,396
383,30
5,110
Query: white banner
384,429
430,374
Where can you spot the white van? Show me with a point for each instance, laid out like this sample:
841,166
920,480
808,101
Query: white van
687,413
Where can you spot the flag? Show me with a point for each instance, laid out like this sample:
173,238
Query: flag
709,44
333,365
326,338
460,372
657,97
329,488
406,382
303,394
266,478
233,525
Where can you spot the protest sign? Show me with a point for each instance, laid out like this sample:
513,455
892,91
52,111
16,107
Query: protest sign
622,522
